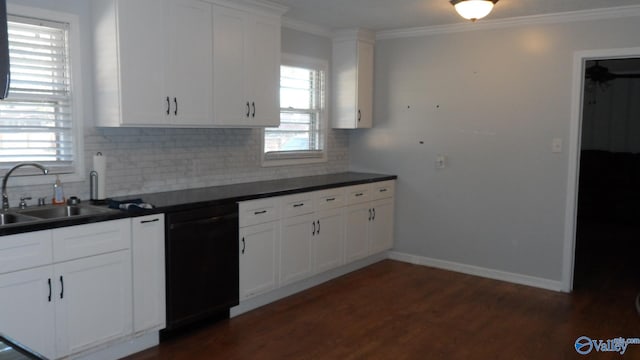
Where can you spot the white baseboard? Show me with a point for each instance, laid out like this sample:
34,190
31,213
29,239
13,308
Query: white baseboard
478,271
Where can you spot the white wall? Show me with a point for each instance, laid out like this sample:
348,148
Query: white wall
149,160
491,101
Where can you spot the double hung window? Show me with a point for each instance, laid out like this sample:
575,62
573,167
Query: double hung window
37,118
301,136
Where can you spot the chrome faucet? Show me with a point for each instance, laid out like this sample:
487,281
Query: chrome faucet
5,197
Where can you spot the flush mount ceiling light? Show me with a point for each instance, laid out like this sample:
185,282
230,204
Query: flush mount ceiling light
473,9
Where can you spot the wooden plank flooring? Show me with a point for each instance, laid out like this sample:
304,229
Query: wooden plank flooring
393,310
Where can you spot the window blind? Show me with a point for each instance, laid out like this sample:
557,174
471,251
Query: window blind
36,118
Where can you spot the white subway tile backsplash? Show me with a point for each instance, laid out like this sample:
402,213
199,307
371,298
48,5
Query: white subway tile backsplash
141,160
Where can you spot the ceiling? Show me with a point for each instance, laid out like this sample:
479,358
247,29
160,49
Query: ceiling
401,14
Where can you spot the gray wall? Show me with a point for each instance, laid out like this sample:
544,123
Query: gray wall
491,101
148,160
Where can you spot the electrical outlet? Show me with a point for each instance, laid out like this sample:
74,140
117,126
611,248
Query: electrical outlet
556,145
441,162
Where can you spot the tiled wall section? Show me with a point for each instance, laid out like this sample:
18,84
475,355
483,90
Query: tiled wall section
153,160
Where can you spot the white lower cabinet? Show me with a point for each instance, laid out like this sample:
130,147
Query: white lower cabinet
369,227
148,265
74,296
258,259
27,310
358,218
295,248
328,242
93,301
286,239
381,225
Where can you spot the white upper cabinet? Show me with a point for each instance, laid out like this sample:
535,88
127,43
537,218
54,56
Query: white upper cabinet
170,63
246,67
153,62
353,79
189,57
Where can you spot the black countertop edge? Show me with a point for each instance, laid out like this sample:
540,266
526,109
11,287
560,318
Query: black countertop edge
180,200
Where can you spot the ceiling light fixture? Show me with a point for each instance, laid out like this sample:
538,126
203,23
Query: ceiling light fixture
473,9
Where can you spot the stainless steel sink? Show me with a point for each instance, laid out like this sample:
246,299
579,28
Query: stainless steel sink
57,211
12,218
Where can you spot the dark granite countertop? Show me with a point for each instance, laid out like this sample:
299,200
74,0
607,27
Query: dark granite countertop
186,199
178,200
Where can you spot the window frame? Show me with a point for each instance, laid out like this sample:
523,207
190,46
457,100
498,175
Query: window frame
77,102
300,157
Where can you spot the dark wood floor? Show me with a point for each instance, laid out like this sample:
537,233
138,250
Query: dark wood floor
394,310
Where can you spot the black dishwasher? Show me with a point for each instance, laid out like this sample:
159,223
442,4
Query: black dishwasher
202,264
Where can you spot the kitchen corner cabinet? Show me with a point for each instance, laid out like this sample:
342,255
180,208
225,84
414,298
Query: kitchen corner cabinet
148,265
259,235
72,292
369,217
353,52
155,72
246,68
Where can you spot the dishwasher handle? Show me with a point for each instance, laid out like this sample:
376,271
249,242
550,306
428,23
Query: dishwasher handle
205,221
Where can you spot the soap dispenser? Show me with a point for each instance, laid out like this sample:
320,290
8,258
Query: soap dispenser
58,193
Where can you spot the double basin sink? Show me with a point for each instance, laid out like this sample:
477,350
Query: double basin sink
50,212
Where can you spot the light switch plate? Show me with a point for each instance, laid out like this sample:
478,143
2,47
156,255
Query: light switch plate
556,145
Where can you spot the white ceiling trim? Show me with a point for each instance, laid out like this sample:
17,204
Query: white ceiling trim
564,17
306,27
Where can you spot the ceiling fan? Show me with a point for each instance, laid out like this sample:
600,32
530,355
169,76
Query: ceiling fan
601,75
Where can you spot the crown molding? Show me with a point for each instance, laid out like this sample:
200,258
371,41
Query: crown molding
264,6
564,17
306,27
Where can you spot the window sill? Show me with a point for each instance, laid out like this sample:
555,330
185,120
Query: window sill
291,162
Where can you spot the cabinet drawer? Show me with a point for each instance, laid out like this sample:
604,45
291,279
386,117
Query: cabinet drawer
92,239
258,211
382,190
330,199
25,251
358,194
298,204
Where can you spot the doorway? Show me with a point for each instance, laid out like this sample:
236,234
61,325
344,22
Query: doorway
608,199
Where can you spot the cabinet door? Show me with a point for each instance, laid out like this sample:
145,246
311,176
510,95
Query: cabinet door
231,105
263,67
328,242
382,225
258,259
93,301
295,248
365,85
27,310
149,305
141,61
190,55
358,218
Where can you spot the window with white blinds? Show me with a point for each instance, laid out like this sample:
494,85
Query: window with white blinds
301,134
36,120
